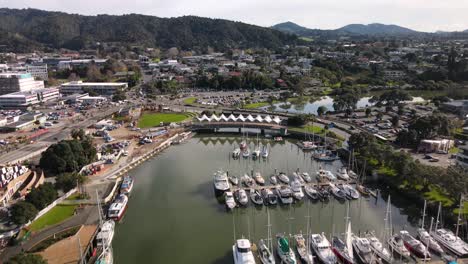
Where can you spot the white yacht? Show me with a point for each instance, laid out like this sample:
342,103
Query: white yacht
378,248
343,174
397,245
350,192
242,252
451,242
265,255
246,153
106,234
285,253
363,250
296,188
265,152
429,241
118,207
285,194
221,181
322,248
229,200
303,249
236,153
325,174
306,177
241,197
259,179
283,178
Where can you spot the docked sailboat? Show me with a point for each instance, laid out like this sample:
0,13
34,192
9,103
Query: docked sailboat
285,253
303,249
306,177
265,250
118,207
242,252
229,200
426,238
241,197
337,192
221,182
415,246
269,197
256,152
256,197
259,179
311,192
127,185
350,192
448,239
344,250
362,248
283,178
285,194
322,248
324,194
379,249
397,245
106,234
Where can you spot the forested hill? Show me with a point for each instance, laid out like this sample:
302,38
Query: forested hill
32,28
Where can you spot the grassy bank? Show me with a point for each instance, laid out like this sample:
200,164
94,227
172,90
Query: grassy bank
148,120
190,100
57,215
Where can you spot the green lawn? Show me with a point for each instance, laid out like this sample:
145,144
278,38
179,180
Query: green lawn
255,105
454,150
154,119
309,129
190,100
58,214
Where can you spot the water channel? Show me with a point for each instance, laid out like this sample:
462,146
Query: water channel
174,217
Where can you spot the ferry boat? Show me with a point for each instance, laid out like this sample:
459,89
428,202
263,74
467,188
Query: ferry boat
415,246
322,248
242,252
118,207
285,253
127,185
229,200
221,182
106,234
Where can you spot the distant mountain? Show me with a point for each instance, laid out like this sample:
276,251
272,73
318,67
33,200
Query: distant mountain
31,28
376,29
290,27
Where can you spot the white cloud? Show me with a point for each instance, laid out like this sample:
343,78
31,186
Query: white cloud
424,15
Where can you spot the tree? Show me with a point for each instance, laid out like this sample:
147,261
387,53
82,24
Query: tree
298,120
78,134
321,110
42,196
22,212
119,96
391,98
68,181
26,258
94,74
68,155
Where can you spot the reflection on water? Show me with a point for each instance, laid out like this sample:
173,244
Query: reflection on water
311,107
174,216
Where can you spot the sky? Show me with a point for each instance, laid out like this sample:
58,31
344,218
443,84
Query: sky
422,15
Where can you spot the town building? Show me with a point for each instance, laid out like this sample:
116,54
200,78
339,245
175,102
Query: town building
394,74
462,157
18,82
103,88
38,70
25,99
459,107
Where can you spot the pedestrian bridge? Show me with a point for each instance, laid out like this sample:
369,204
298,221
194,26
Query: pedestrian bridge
263,123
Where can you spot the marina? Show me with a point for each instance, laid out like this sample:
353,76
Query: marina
164,195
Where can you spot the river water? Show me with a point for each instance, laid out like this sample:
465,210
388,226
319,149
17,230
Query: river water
174,217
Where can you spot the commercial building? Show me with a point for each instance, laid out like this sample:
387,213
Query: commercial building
462,157
25,99
459,107
78,87
393,74
18,82
38,71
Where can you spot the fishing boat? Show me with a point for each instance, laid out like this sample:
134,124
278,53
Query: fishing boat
118,207
322,248
234,180
106,234
337,192
248,181
241,197
285,194
221,182
378,248
429,241
306,177
236,153
259,179
284,251
265,249
273,180
311,192
303,249
229,200
283,178
344,250
343,174
242,252
296,188
127,185
426,238
269,197
350,192
448,239
415,246
363,250
397,245
265,152
256,197
264,253
326,175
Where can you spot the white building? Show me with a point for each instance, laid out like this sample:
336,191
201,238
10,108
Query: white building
25,99
18,82
394,74
99,88
38,71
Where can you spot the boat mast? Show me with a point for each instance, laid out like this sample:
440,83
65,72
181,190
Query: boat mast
438,216
423,215
308,228
459,214
430,227
269,240
99,208
387,220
